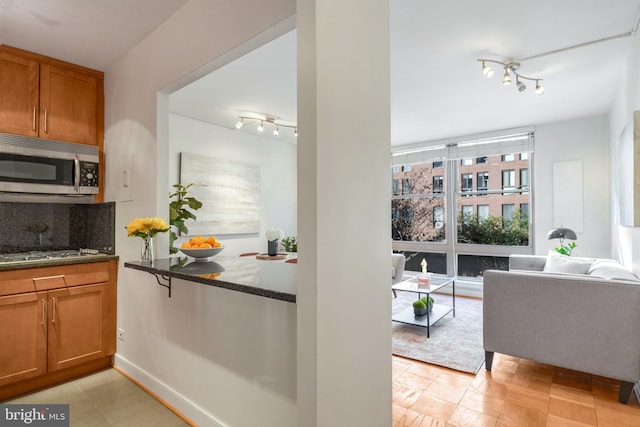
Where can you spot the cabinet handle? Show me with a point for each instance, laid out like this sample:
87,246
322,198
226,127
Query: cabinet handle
45,120
43,315
34,117
53,318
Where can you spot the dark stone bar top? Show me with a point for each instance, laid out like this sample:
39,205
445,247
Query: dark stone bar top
18,265
269,279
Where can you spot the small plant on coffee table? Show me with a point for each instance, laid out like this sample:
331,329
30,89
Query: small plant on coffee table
421,306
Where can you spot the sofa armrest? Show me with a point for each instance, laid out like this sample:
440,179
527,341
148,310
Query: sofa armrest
580,322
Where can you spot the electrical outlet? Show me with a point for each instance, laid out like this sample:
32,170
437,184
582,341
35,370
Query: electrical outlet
121,334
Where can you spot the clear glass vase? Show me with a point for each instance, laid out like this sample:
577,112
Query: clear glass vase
147,254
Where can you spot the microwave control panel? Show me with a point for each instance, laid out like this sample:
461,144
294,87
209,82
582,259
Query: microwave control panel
88,174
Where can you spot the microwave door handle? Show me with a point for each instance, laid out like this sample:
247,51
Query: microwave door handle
76,175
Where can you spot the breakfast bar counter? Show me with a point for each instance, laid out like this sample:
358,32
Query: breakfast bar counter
274,280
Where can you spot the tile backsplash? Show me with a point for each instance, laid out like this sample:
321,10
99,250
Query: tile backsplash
53,226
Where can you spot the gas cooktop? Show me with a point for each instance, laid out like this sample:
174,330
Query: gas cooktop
44,255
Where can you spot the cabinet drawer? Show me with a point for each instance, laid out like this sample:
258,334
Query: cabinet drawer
46,278
12,286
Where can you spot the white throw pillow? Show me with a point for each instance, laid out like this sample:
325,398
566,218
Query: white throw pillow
609,269
558,263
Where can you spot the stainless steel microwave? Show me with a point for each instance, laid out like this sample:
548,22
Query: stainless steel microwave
41,166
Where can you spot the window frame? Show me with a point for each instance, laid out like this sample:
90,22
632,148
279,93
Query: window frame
445,154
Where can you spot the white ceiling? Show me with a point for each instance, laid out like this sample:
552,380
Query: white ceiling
92,33
437,87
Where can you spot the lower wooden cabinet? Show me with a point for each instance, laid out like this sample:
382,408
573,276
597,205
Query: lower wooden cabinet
23,333
55,334
78,325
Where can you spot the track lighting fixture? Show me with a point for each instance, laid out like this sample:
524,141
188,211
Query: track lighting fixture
511,68
262,118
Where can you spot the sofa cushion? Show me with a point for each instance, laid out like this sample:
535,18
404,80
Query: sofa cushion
558,263
610,269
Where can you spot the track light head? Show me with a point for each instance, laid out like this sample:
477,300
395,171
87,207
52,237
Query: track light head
261,126
276,131
539,88
240,123
521,86
506,80
295,131
486,70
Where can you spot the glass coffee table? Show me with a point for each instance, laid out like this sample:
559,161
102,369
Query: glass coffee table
437,312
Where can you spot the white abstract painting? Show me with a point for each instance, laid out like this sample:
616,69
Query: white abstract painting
229,192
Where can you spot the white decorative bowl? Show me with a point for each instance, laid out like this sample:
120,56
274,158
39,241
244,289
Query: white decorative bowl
201,254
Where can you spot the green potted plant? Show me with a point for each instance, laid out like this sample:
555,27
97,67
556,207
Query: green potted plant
290,244
178,212
422,305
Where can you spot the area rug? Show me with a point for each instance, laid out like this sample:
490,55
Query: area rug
456,342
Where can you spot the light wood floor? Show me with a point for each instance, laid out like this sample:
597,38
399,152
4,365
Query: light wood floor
517,392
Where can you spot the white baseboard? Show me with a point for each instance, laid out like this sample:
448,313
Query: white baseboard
189,409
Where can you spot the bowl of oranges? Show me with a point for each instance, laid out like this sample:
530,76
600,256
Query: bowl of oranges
201,248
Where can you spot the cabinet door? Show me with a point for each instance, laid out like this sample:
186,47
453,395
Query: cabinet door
23,331
19,95
68,105
78,325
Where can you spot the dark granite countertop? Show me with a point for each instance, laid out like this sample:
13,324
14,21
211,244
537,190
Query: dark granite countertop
18,265
270,279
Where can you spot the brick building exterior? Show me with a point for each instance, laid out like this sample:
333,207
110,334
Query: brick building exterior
486,186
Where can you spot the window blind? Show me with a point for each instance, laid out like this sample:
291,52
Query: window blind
505,142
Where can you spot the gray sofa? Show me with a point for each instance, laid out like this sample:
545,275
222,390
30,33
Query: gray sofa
588,322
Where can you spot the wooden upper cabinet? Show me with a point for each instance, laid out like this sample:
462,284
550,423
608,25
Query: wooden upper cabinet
19,95
68,105
51,99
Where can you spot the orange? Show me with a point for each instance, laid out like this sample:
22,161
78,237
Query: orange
197,240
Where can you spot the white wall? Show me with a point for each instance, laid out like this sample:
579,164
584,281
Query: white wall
587,140
223,358
277,163
344,303
625,239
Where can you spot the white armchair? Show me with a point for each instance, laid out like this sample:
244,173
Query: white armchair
397,269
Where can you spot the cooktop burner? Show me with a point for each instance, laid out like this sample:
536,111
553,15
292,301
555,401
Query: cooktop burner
37,255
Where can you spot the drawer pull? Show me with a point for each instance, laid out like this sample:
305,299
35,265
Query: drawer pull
59,276
45,120
43,315
53,318
34,117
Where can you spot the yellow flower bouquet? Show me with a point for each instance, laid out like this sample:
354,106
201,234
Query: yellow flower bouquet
147,228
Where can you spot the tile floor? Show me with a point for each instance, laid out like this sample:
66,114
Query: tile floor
106,398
